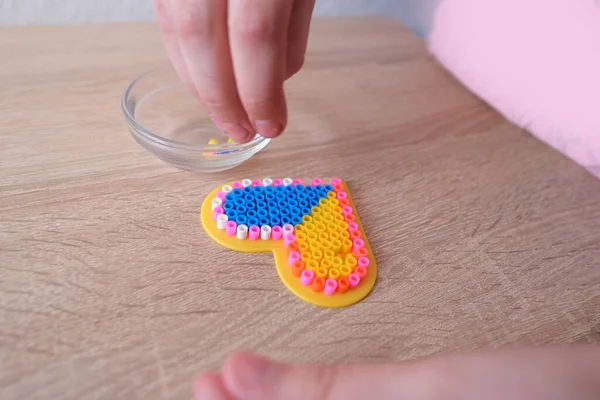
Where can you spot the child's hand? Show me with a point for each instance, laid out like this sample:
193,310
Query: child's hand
235,55
524,374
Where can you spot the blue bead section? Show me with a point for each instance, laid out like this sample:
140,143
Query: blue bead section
273,206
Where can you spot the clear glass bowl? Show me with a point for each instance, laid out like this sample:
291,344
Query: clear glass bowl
168,121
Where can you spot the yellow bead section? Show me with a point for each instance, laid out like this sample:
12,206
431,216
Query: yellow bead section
319,255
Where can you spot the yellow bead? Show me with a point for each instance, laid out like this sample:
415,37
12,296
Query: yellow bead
345,271
312,265
322,271
334,273
213,141
337,262
230,140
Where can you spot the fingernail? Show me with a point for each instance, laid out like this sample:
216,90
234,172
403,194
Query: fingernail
236,131
254,373
268,129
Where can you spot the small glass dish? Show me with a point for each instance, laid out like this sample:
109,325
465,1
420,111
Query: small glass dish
168,121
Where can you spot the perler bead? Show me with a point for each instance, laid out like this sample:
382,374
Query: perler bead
310,224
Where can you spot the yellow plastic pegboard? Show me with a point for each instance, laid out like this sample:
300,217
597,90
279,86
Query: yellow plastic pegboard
332,220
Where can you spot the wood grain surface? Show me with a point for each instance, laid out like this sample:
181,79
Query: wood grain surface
110,289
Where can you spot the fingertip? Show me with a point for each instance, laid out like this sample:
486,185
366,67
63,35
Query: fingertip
269,128
210,386
245,373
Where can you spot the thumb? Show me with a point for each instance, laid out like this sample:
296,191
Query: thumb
249,377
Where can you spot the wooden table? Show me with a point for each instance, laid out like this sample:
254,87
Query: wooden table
110,289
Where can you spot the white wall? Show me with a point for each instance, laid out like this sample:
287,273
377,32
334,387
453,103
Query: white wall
414,13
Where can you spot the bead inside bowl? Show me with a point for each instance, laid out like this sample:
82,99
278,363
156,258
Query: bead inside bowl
168,121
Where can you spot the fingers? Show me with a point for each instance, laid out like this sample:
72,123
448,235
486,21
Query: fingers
200,28
210,387
258,33
298,29
248,377
167,25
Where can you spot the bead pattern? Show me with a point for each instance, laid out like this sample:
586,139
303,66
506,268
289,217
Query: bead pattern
318,226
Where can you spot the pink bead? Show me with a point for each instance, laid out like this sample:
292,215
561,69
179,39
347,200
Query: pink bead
277,182
346,210
293,257
289,239
357,244
363,262
353,279
342,195
237,185
256,182
217,211
336,181
276,232
297,181
330,286
317,181
254,233
352,226
230,228
221,195
307,277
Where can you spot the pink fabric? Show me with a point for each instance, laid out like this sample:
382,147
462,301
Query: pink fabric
536,61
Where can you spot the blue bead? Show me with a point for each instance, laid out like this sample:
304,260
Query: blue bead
275,221
264,221
322,194
251,205
251,213
241,209
292,203
259,197
302,196
295,211
292,197
270,196
252,221
306,211
228,206
259,189
314,202
237,192
284,212
296,220
286,220
230,196
262,213
280,196
302,203
269,189
282,204
309,188
249,197
328,188
261,205
239,201
300,188
241,220
274,211
318,188
280,189
272,205
232,214
248,189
